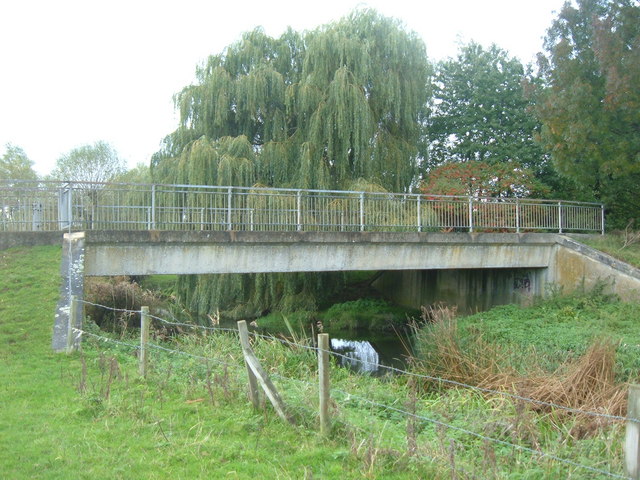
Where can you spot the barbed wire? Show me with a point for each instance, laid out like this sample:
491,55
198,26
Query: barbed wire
191,325
152,345
113,309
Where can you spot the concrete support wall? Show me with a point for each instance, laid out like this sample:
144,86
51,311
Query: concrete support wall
575,265
470,290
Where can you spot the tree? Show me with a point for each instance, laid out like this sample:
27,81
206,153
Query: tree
89,163
15,165
482,179
139,174
316,110
481,112
329,108
590,106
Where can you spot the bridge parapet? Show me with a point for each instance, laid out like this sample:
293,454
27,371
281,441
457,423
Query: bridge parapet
72,206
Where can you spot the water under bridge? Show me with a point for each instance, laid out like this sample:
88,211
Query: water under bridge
485,250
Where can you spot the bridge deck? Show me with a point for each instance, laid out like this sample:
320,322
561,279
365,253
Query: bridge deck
154,252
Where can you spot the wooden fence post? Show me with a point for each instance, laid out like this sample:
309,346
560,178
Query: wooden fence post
253,383
73,312
144,339
632,440
261,376
323,379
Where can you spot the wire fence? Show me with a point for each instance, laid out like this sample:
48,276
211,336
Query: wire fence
345,398
49,205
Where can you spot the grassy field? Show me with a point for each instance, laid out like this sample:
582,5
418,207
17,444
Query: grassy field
90,415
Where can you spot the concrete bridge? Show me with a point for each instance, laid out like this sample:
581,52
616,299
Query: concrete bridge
125,229
480,268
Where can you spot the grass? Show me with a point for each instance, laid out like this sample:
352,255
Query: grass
614,244
90,415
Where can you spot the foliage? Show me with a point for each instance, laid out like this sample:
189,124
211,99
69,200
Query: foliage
481,113
89,163
482,179
338,106
590,108
15,165
312,110
141,173
118,294
365,313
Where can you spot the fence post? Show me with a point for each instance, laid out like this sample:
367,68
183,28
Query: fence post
517,216
471,214
632,438
73,309
602,218
253,383
144,339
323,381
261,376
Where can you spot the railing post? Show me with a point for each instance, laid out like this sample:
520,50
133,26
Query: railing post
144,339
362,211
602,218
299,210
229,198
559,217
419,207
470,214
153,207
323,381
70,207
517,216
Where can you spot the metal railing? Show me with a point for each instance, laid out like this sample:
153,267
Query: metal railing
47,205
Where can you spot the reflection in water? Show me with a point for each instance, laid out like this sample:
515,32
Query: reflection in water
358,354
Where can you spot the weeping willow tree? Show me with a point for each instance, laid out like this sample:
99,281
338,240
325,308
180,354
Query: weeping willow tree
334,108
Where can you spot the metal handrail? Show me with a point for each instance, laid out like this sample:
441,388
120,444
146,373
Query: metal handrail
54,205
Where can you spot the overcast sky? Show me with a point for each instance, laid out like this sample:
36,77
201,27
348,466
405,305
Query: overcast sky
74,72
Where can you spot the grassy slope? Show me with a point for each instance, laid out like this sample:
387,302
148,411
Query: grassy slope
144,429
613,244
